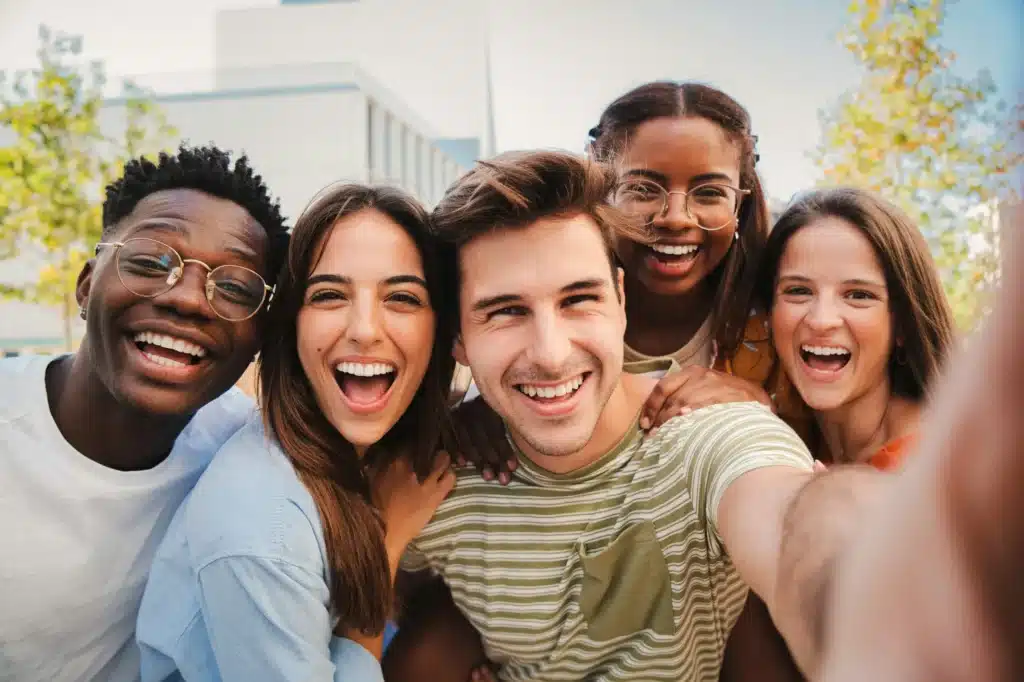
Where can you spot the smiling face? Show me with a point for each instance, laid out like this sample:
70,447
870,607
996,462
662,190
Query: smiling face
541,331
680,154
831,322
171,354
365,331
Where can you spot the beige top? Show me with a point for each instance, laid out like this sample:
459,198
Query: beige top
697,351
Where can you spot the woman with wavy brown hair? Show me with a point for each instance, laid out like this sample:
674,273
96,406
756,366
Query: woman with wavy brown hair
281,565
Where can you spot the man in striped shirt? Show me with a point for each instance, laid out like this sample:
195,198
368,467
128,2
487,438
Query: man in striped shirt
609,556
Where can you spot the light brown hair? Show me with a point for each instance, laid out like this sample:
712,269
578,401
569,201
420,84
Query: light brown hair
922,318
360,579
516,189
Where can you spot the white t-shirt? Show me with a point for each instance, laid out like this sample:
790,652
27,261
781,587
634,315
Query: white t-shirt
78,537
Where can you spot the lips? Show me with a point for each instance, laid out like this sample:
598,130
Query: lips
553,399
671,260
365,385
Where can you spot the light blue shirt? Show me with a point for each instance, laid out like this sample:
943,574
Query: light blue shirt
238,589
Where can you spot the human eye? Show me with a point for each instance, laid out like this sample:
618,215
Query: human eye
405,298
505,312
325,296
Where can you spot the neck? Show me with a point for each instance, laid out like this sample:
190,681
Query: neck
857,430
100,427
615,420
660,324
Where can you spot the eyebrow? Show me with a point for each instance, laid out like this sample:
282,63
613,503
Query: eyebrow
662,179
391,281
855,281
505,299
160,223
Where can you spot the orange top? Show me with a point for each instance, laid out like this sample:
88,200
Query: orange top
890,456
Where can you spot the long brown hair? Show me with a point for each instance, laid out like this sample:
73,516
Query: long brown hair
736,275
922,318
359,575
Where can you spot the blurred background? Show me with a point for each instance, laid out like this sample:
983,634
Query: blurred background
919,100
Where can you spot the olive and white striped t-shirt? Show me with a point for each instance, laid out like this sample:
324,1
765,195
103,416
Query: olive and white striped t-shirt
613,572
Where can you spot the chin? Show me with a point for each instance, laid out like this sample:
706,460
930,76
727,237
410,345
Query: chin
824,401
160,400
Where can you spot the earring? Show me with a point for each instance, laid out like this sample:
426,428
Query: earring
736,236
81,312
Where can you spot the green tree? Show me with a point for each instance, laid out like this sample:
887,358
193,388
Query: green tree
57,163
938,145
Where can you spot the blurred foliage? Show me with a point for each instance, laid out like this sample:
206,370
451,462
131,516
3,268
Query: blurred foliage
940,146
54,170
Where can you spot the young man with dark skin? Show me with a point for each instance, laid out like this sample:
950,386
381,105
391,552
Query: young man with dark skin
99,447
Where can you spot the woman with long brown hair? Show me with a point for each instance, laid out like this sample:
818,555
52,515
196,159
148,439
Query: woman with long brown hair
281,564
860,321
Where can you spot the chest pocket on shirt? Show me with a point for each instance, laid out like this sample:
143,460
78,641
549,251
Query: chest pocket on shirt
626,586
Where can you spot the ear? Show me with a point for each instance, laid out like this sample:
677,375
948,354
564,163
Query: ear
84,283
620,283
459,352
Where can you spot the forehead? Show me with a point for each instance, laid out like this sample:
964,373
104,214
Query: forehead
831,249
680,147
198,220
368,245
533,261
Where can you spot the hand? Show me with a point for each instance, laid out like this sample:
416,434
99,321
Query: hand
481,441
695,387
406,503
483,674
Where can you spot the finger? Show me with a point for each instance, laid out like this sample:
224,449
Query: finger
665,389
442,465
818,467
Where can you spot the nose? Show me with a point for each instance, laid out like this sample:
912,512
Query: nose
675,217
187,297
364,328
824,314
552,347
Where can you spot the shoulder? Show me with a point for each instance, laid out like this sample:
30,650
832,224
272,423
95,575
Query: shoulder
22,377
219,419
731,427
251,502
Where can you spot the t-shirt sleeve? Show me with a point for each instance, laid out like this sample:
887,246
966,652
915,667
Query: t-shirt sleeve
414,560
267,621
723,442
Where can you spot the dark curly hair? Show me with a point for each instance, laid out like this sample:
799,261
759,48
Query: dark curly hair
209,170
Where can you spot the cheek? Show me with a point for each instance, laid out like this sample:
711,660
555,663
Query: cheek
628,252
312,330
414,336
872,330
719,242
785,319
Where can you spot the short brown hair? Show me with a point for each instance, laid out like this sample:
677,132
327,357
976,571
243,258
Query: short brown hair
516,189
921,315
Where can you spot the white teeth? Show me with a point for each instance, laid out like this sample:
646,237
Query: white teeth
552,391
675,249
364,369
825,350
164,362
171,343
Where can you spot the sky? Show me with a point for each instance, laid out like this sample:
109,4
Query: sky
557,63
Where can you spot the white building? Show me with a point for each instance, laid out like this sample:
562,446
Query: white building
394,91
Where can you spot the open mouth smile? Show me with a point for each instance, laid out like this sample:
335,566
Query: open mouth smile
824,362
553,399
671,259
365,386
